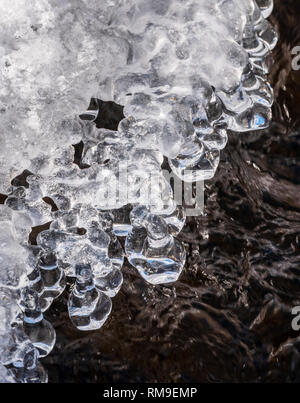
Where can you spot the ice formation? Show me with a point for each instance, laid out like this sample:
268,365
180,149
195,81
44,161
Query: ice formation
186,73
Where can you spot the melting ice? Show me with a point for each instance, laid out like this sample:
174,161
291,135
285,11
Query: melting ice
186,73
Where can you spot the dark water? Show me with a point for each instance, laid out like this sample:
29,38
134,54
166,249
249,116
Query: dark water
229,317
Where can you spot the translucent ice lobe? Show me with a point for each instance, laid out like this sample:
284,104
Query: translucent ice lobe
31,370
5,375
266,7
13,255
52,277
111,283
88,307
156,264
40,332
151,249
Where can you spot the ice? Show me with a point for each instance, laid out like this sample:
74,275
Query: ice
47,279
152,250
111,283
13,255
178,76
266,7
40,332
54,60
8,312
31,370
5,375
15,346
88,307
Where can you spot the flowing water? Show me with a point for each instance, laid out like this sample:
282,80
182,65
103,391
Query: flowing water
228,318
